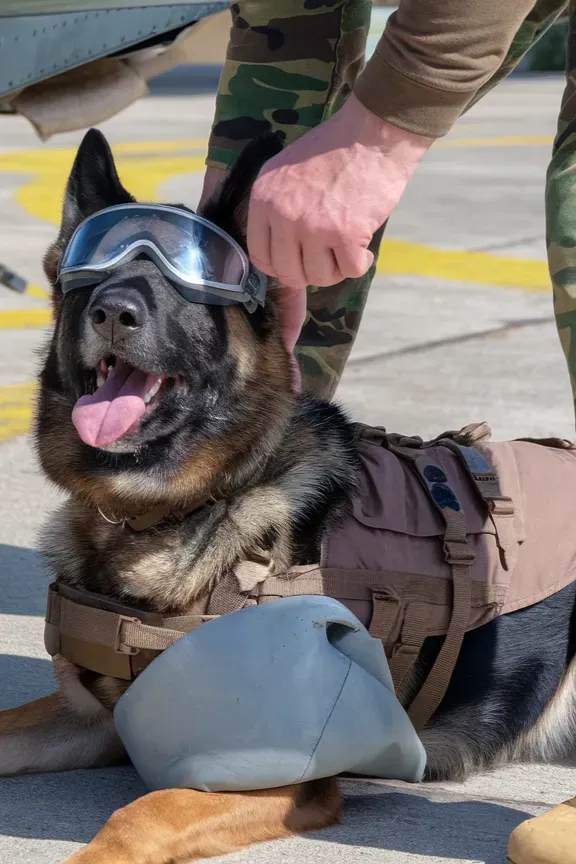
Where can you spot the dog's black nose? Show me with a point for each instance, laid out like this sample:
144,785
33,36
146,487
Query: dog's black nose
118,313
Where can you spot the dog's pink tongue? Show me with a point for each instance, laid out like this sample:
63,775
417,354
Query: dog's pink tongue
108,414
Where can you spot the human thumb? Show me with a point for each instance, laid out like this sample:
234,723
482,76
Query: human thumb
291,311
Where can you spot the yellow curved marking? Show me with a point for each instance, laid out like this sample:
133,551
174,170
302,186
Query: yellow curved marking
141,171
482,268
22,319
16,406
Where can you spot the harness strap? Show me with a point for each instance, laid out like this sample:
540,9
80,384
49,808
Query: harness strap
105,640
341,584
500,507
227,596
460,557
412,635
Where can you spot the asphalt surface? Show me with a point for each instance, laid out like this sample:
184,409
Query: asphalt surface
459,328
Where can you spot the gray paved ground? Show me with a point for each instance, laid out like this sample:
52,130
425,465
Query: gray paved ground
433,354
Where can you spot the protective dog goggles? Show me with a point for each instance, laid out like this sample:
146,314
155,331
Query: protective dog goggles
202,262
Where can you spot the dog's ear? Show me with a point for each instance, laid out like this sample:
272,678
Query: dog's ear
228,208
93,184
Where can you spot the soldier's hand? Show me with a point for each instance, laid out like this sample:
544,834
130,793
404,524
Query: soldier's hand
315,206
290,302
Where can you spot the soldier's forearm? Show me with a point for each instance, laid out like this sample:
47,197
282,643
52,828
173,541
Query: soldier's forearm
433,58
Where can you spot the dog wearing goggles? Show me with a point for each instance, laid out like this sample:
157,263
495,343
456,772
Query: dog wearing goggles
166,385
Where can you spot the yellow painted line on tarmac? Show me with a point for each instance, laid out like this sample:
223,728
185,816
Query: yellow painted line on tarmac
481,268
23,319
496,141
36,291
161,146
16,407
41,194
13,157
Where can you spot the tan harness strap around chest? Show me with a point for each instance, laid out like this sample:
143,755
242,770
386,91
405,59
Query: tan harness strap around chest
105,636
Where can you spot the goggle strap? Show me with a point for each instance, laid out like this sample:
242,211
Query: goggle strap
257,285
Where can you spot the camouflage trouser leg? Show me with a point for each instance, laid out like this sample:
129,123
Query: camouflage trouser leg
561,211
561,175
287,73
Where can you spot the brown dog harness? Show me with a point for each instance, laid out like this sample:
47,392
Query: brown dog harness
443,537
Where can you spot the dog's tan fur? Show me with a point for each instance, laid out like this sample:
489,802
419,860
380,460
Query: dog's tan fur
157,829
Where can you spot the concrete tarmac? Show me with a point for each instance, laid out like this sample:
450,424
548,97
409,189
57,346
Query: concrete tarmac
439,348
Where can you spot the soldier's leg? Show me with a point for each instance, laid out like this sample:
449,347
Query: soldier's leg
287,73
561,211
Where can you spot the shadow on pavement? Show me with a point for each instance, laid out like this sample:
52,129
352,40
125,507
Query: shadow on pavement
73,806
400,822
23,679
69,806
192,80
23,582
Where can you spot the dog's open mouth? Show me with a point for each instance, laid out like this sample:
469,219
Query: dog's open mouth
123,397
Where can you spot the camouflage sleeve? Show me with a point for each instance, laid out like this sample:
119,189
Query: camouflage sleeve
285,72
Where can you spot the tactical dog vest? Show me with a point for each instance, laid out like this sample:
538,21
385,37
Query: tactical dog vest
443,537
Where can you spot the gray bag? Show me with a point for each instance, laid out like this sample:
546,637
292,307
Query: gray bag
289,691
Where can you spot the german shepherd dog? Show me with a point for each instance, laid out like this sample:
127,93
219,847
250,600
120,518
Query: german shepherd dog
225,425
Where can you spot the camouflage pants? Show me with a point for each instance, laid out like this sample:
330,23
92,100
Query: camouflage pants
289,72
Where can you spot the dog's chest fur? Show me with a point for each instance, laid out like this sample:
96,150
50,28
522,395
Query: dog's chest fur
277,523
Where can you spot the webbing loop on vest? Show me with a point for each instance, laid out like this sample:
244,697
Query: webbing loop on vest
412,635
500,507
227,596
387,607
458,552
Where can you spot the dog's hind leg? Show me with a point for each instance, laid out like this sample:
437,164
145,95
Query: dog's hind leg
182,825
553,736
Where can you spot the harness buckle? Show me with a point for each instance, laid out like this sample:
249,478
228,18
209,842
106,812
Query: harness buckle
407,651
458,552
119,646
501,506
